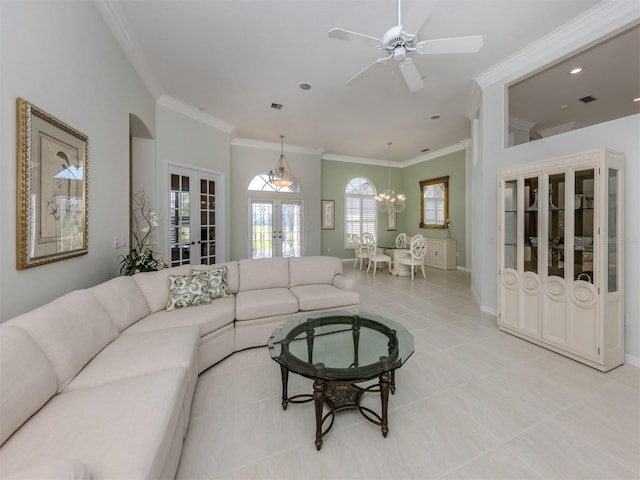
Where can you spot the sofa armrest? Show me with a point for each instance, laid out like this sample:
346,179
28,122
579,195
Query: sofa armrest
342,282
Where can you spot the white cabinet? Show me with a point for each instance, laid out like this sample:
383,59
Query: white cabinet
441,253
561,255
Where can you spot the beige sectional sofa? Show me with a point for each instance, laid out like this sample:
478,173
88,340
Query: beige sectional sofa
98,383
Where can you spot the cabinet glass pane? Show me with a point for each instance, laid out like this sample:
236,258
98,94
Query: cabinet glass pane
531,225
555,238
583,225
612,241
510,224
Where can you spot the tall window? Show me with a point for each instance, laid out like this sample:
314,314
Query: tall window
361,214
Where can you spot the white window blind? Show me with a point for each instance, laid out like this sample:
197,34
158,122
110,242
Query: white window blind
361,214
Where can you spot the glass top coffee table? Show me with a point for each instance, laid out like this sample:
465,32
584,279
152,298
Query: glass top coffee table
338,350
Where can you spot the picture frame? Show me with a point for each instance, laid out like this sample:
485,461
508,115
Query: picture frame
52,190
328,214
392,221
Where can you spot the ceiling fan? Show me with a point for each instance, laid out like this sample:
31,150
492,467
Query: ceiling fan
400,46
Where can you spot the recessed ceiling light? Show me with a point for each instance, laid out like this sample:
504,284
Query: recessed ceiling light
435,116
576,71
564,107
305,86
277,106
637,99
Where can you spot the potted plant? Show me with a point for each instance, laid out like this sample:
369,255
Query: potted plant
142,257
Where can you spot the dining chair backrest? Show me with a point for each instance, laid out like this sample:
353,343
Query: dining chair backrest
368,238
401,240
418,247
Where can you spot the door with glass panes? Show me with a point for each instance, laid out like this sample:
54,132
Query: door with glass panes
275,228
193,227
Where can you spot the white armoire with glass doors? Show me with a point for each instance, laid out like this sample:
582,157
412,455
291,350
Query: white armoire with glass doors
561,255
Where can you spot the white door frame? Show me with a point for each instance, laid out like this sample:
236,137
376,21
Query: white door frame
276,249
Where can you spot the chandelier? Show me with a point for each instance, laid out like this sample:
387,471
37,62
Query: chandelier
282,176
390,201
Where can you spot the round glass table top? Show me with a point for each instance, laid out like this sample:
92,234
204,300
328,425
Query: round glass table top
341,345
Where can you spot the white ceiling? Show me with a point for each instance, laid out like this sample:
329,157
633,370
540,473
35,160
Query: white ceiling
233,59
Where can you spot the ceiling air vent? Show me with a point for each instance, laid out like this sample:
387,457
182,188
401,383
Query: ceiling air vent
588,99
277,106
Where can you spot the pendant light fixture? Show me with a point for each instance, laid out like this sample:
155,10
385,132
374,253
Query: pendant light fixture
390,201
282,175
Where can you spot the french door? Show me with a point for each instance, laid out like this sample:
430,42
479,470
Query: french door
276,228
194,216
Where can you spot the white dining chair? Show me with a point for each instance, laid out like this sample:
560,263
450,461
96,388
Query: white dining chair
376,257
359,251
417,251
401,240
367,239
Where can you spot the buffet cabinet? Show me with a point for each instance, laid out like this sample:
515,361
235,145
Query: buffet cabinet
441,253
561,255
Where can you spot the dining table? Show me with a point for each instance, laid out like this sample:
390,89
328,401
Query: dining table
395,253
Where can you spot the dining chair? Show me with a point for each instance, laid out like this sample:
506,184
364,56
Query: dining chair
375,257
401,240
417,251
357,249
367,239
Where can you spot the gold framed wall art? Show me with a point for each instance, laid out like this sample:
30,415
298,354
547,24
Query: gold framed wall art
52,203
328,214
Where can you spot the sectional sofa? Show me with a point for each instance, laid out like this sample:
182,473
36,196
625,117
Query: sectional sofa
99,382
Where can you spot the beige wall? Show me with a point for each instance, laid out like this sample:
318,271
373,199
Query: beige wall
61,57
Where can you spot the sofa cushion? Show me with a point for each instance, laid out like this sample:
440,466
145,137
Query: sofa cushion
233,276
263,273
122,299
208,318
264,303
313,270
70,330
141,353
319,297
119,430
155,285
27,380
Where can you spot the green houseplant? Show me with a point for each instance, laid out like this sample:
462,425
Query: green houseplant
141,256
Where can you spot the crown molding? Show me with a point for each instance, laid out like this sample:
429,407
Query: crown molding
247,142
565,127
437,153
196,114
361,160
521,124
116,22
605,18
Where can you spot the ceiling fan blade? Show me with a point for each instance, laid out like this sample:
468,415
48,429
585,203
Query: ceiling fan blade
366,71
411,76
353,37
450,45
417,16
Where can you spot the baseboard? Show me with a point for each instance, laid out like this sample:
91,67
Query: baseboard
632,360
464,269
490,310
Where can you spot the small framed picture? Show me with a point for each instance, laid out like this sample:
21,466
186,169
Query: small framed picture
391,221
328,214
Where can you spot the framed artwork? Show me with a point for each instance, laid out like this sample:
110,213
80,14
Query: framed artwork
52,222
392,224
328,214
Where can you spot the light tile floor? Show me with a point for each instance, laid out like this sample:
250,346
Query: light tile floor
471,403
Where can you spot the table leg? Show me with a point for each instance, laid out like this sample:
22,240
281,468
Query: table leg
319,389
385,383
285,386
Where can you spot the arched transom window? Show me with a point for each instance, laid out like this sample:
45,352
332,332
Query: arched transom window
261,183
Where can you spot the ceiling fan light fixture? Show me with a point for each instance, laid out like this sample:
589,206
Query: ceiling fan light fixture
399,54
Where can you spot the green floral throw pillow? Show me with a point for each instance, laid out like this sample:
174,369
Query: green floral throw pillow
187,290
218,282
198,288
